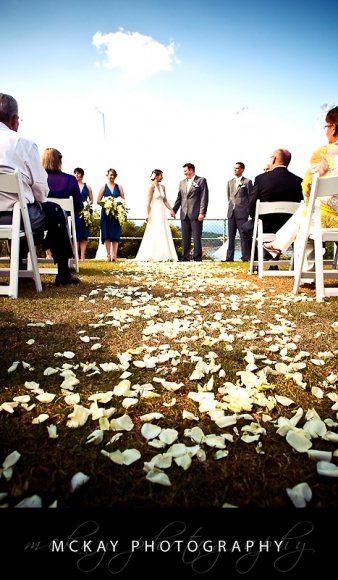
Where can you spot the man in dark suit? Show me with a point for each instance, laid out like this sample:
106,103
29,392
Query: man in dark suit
238,191
192,198
277,184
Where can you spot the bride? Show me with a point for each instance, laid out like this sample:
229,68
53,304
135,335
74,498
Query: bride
157,243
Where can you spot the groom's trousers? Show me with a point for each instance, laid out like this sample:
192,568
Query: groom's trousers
192,228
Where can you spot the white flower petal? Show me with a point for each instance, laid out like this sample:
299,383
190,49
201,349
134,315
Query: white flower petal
158,477
298,440
40,419
34,501
77,480
327,469
11,459
300,494
150,431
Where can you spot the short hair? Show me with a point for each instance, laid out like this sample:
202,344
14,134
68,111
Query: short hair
284,156
52,160
79,170
8,107
241,164
189,166
112,170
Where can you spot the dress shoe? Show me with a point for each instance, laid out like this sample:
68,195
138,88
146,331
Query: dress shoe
274,252
63,279
309,285
273,268
228,260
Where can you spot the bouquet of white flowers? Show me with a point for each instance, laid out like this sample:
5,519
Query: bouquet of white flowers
115,207
87,214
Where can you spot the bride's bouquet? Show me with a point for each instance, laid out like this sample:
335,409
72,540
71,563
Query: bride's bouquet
115,208
87,214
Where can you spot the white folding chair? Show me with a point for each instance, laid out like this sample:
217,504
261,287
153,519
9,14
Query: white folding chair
67,205
311,228
12,183
259,238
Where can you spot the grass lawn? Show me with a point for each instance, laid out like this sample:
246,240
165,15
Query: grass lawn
181,386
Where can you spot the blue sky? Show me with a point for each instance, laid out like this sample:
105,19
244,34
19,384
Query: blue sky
207,81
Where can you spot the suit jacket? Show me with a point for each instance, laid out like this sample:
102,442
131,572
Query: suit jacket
193,202
279,184
238,198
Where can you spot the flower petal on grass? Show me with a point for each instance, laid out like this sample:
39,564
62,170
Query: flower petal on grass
34,501
326,468
78,417
300,494
13,366
52,431
318,455
11,460
123,423
78,480
149,431
298,440
46,397
168,436
40,419
130,456
150,416
158,477
95,437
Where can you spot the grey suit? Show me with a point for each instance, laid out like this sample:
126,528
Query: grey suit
238,213
192,204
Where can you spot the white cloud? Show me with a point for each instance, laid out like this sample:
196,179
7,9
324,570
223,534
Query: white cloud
136,55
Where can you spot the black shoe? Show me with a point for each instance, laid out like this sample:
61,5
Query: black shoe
66,279
273,268
227,260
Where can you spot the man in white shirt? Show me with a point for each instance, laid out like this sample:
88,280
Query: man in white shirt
19,153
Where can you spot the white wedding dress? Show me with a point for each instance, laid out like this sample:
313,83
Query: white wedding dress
157,243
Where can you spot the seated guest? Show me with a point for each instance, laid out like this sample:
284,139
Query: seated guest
62,185
19,153
277,184
325,162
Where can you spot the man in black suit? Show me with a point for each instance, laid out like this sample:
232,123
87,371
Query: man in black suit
192,198
277,184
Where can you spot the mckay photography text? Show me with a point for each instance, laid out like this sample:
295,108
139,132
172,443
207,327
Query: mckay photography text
188,546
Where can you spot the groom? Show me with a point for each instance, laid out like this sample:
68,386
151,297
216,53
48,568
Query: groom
192,198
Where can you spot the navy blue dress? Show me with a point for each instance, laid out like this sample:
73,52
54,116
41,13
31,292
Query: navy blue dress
63,185
110,227
84,231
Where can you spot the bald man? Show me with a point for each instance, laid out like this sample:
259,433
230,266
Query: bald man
277,184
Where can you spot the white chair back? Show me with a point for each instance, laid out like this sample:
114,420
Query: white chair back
12,183
311,228
259,237
67,205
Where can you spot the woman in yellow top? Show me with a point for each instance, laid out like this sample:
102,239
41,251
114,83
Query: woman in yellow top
325,162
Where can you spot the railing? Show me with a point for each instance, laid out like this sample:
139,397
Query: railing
213,236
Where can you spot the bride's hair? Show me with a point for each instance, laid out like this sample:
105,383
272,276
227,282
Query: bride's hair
157,172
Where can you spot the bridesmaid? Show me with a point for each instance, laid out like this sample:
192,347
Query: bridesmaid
87,196
110,227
